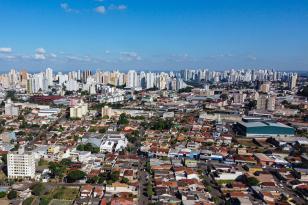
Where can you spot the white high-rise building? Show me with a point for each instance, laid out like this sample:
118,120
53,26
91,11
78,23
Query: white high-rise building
79,110
49,76
132,79
72,85
10,109
150,80
107,111
292,81
21,164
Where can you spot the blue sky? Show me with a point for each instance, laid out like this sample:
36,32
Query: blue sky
153,34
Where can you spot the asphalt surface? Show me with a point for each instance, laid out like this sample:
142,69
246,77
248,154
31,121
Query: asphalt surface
142,176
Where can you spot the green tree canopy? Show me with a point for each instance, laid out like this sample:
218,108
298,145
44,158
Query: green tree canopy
12,195
75,175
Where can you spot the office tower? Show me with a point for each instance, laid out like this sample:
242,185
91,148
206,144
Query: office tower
20,164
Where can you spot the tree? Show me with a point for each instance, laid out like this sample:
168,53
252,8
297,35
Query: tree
2,194
75,175
124,180
252,181
123,119
185,90
88,147
150,192
102,130
4,158
38,189
12,195
66,162
93,180
114,176
57,169
161,124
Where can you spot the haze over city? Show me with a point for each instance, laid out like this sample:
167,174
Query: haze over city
153,34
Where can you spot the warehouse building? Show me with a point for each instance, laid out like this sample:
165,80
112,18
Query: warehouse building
263,129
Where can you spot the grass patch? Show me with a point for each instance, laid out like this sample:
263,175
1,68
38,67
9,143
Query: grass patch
60,202
64,193
226,181
28,201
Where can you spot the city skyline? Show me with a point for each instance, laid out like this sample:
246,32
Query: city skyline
153,35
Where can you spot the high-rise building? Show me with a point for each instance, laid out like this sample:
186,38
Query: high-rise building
150,80
265,88
79,110
266,102
271,103
262,102
292,81
132,79
49,76
20,164
239,97
107,111
10,109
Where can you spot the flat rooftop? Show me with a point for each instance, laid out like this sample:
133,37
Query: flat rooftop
263,124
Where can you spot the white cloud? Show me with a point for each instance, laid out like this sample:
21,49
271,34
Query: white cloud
8,57
68,9
107,51
5,50
100,9
120,7
40,51
40,54
79,58
53,55
129,56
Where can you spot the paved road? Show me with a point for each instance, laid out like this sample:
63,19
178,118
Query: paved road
142,176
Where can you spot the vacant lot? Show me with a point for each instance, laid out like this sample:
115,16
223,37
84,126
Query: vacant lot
60,202
64,193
